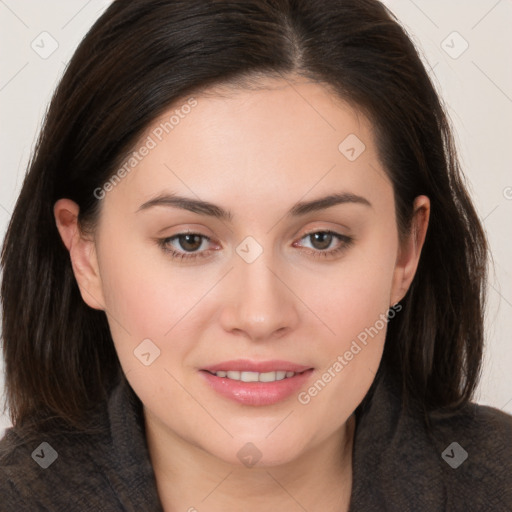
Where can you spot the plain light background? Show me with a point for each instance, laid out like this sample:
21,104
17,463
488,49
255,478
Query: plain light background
464,43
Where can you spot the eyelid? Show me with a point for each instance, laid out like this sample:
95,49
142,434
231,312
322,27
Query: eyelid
323,230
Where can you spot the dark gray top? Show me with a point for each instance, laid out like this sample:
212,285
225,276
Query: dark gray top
397,466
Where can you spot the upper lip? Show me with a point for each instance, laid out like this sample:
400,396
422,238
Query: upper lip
246,365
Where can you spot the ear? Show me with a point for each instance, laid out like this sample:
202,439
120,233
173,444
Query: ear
409,250
82,251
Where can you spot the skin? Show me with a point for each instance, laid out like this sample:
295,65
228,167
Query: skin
255,153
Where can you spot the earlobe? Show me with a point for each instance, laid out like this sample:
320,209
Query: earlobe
410,250
82,253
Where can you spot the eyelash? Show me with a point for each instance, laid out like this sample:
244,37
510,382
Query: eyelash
346,242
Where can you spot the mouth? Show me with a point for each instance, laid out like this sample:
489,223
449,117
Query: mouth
256,383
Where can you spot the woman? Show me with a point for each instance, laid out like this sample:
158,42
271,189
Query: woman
252,276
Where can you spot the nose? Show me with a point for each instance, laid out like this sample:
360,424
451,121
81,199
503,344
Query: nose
261,303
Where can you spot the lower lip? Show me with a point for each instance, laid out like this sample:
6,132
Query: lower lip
257,393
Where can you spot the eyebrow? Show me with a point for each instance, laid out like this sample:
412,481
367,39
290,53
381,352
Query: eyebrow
213,210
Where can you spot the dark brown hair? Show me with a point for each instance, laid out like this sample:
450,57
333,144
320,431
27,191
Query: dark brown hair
139,58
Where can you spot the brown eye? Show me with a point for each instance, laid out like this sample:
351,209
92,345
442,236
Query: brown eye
321,240
185,246
189,242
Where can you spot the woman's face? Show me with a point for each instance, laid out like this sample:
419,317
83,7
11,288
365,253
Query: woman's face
251,290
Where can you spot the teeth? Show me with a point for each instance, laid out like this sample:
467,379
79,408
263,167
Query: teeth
249,376
267,377
256,376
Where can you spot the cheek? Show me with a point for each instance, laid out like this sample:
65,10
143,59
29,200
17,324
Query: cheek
144,298
144,290
354,303
352,294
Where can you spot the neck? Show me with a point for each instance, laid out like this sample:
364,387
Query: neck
190,479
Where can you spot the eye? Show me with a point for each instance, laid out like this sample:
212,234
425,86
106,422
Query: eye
322,240
185,242
187,246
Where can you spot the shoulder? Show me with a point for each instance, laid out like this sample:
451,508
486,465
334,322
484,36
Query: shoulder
43,473
106,466
486,432
475,448
12,496
457,461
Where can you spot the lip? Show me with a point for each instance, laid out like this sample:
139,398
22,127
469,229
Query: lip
257,393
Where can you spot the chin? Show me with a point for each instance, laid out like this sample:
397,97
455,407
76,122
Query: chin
255,452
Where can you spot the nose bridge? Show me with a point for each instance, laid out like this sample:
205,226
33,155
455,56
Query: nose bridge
262,304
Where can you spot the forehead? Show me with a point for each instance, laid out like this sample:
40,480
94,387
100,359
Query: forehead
281,138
